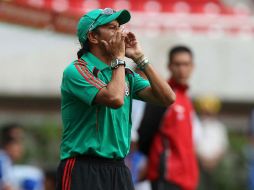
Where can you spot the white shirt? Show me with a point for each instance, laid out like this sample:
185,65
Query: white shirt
214,139
6,171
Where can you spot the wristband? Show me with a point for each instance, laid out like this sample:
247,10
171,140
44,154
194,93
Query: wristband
138,59
142,63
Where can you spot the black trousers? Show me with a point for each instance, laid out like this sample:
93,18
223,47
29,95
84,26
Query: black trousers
162,184
93,173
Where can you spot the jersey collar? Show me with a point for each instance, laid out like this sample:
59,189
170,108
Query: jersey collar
91,59
177,86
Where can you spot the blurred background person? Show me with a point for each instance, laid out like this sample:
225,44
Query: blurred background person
15,176
172,161
11,151
28,177
213,142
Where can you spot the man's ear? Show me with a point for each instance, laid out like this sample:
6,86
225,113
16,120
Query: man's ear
92,37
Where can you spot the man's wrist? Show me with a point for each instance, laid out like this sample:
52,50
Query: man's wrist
119,57
115,63
137,57
142,63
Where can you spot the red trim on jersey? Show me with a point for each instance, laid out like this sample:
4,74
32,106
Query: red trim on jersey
81,67
78,67
90,74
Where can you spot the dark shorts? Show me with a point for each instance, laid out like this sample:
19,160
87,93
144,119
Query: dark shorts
164,185
93,173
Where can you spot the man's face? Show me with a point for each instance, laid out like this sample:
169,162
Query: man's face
108,30
15,150
181,67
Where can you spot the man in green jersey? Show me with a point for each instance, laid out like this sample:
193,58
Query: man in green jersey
97,92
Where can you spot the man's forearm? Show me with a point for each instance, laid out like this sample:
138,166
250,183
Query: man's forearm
159,92
112,95
160,88
116,86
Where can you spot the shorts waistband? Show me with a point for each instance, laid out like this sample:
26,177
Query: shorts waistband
102,160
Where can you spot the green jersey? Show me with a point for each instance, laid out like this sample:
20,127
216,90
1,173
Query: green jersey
95,129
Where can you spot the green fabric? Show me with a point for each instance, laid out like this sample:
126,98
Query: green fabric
95,129
96,18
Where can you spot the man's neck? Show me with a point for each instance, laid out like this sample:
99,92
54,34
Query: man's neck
177,84
102,56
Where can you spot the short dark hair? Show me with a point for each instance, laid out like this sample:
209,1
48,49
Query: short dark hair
178,49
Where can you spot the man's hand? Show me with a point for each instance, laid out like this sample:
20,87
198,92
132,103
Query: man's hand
116,46
132,47
112,95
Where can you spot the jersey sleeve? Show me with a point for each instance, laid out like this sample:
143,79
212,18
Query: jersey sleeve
139,84
81,83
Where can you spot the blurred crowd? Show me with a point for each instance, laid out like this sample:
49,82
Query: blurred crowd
13,174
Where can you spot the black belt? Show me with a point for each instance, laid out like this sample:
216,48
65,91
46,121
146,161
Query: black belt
98,159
